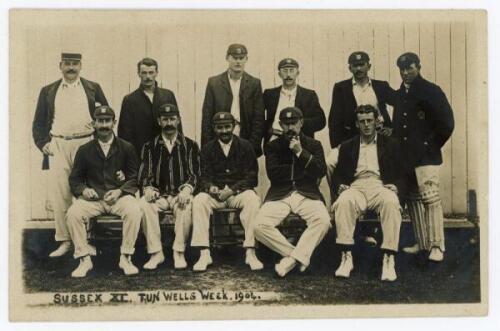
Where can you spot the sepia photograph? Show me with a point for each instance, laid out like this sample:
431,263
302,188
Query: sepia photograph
247,164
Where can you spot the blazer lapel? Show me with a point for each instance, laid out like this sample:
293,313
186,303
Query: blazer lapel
90,92
113,149
51,98
355,151
224,81
298,98
98,148
156,98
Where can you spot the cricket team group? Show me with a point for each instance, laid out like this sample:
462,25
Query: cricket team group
375,162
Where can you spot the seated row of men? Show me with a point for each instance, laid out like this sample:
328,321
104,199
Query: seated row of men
175,175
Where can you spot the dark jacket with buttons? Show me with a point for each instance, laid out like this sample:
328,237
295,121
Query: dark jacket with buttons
306,100
342,119
289,173
92,169
139,116
423,120
238,170
219,97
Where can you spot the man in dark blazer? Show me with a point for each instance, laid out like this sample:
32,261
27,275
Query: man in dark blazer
290,94
356,91
367,176
139,113
238,93
62,123
228,178
104,180
423,121
295,164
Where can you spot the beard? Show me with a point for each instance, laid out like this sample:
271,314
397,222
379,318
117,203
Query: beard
225,137
290,134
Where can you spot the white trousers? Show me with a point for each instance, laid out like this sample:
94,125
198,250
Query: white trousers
151,223
203,206
368,193
272,213
59,192
127,207
425,209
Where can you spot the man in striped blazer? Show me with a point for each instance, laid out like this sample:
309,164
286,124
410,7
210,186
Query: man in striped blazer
168,177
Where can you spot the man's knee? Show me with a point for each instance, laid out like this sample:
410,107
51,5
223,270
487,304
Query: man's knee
251,199
133,210
390,199
75,214
429,192
347,199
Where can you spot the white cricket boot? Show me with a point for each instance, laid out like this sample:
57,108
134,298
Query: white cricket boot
179,260
412,249
127,266
388,268
63,248
346,265
83,268
285,266
436,254
252,260
156,259
204,261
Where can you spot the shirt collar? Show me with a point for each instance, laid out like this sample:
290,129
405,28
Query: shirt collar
233,80
289,92
107,143
76,83
164,140
374,141
355,83
226,145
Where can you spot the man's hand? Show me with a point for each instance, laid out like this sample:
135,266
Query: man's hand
295,145
46,149
342,188
151,194
214,192
90,194
225,194
120,176
184,197
392,187
385,131
112,196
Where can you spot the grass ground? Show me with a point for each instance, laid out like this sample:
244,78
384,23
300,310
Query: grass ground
456,280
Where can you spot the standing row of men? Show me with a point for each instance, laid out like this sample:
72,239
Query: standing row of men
422,123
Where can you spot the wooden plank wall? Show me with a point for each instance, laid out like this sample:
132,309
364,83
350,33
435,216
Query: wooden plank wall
189,52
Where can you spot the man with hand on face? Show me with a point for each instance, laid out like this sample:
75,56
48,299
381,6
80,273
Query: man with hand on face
62,123
367,176
236,92
139,114
356,91
423,121
168,176
228,176
290,94
295,164
104,180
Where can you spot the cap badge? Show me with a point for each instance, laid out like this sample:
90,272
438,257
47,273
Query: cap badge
167,109
222,115
289,115
288,61
238,50
403,58
103,110
358,56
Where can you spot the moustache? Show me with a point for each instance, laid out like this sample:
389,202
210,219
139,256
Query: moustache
71,71
104,129
169,127
290,134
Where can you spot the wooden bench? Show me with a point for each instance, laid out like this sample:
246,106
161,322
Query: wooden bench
225,227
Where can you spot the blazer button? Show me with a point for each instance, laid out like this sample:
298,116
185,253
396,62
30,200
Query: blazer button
425,143
404,126
405,138
404,114
227,170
